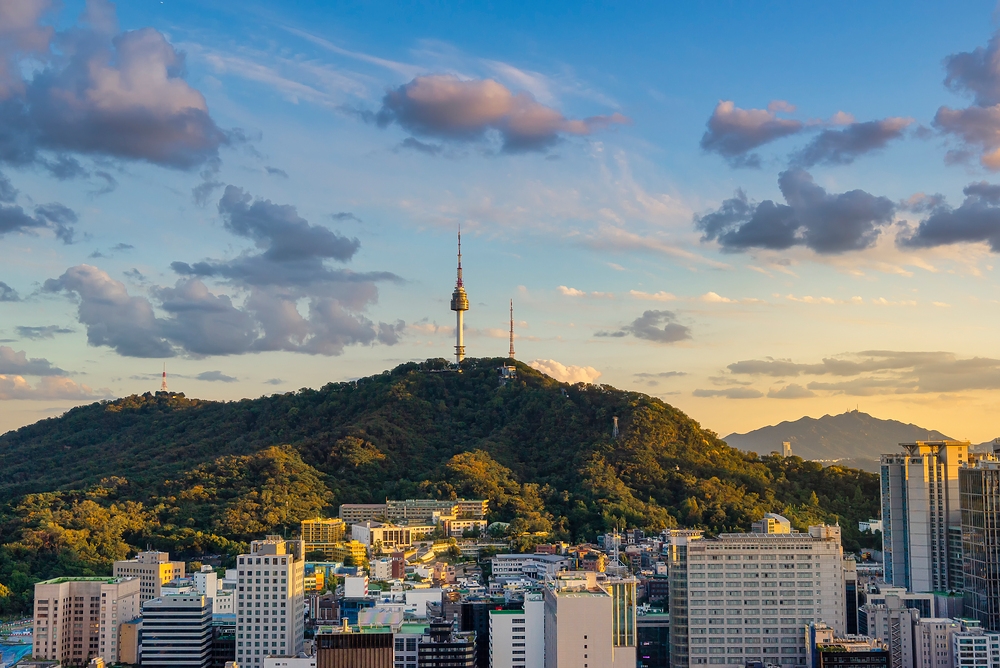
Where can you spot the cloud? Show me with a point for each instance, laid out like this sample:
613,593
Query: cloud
14,387
842,147
8,294
53,216
730,393
566,374
573,292
8,193
733,132
216,376
38,333
977,127
98,91
714,298
274,171
345,215
17,363
648,326
826,223
274,381
446,107
204,323
871,372
976,220
656,296
976,72
790,391
422,147
662,374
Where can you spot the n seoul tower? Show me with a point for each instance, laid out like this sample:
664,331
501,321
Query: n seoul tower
459,304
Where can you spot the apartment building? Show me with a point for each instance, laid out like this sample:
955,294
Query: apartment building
746,597
386,536
534,566
415,510
270,600
979,487
154,569
77,619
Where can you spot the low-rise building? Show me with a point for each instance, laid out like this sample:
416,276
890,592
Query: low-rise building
376,535
153,569
533,566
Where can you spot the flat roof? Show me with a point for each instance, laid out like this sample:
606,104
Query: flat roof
106,580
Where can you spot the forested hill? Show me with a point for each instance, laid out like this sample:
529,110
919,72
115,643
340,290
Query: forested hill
191,476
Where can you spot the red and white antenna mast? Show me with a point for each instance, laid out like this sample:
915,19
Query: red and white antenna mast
511,329
163,385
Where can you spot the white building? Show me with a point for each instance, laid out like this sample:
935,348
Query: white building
406,642
270,600
177,632
533,566
933,641
746,597
206,580
589,624
380,569
517,637
870,525
355,586
977,649
153,569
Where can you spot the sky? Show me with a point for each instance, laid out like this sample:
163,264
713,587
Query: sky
753,211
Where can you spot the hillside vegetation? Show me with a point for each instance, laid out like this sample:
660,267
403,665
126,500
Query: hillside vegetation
193,477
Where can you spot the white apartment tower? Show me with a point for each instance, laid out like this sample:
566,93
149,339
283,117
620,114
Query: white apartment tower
517,637
154,569
921,515
77,619
270,593
746,597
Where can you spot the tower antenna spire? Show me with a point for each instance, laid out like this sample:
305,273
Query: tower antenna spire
163,385
511,329
459,304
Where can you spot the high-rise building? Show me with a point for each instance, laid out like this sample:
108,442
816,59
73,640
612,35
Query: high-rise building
77,619
921,516
979,486
517,637
652,640
355,647
975,648
745,597
322,534
442,645
586,623
826,650
154,569
177,632
270,600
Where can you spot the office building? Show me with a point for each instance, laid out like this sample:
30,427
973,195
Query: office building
414,510
77,619
154,569
379,536
979,486
531,566
177,632
321,535
270,600
891,621
350,553
653,640
933,643
921,515
976,649
517,637
355,647
442,645
746,597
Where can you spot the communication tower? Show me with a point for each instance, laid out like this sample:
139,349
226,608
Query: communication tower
163,385
459,304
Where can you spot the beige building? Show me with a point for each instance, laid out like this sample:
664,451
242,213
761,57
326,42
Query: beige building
589,623
128,641
271,599
375,534
418,510
154,569
77,619
321,530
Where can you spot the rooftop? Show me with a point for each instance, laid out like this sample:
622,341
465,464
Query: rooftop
104,580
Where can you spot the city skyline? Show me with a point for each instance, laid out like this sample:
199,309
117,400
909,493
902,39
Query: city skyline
267,199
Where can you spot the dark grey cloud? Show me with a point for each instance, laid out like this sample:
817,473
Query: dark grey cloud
8,193
843,146
8,294
976,73
60,218
734,133
826,223
730,393
976,220
274,171
100,92
446,107
121,248
791,391
107,183
203,323
862,362
977,127
422,147
656,326
216,376
45,332
274,381
345,215
15,363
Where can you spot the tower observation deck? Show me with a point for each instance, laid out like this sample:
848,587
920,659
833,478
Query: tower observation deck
459,304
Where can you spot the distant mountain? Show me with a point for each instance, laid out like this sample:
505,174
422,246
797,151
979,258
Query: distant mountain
852,435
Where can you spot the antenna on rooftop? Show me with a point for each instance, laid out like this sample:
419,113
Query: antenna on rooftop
511,329
163,385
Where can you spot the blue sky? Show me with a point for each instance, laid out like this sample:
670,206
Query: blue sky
731,206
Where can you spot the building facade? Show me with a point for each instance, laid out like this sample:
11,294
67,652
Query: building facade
517,637
745,598
415,510
154,569
77,619
369,647
442,646
921,515
177,632
270,600
979,486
